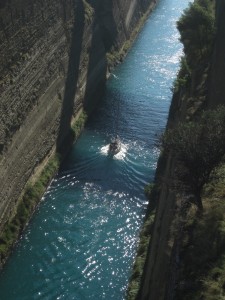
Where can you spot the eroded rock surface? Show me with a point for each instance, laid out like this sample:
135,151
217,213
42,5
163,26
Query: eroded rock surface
52,63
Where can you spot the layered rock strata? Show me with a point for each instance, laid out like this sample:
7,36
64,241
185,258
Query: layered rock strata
52,65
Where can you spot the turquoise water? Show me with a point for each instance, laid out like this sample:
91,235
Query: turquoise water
82,240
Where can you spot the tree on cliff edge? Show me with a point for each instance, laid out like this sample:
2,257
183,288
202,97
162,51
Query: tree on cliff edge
199,147
197,30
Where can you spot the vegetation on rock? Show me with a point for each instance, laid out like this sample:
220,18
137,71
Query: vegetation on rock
197,30
26,206
197,34
79,124
142,251
202,265
199,147
31,197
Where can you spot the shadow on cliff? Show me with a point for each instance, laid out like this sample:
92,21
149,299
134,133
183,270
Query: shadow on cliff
217,73
103,37
72,74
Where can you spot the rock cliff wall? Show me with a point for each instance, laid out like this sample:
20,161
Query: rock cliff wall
52,64
206,90
217,78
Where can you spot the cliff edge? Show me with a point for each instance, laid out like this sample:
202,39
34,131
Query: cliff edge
186,249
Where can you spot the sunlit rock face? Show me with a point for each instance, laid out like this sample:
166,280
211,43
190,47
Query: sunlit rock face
52,63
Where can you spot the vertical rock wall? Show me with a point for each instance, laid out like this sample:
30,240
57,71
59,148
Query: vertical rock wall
216,87
207,90
52,64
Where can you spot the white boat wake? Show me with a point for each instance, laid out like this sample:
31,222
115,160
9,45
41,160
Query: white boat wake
120,155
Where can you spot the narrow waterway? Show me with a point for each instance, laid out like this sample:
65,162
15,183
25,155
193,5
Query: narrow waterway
81,242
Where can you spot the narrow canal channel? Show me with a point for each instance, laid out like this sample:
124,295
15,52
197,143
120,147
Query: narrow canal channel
81,242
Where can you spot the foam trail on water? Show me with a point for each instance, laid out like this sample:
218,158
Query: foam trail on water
120,155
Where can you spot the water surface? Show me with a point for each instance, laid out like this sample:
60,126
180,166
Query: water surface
82,240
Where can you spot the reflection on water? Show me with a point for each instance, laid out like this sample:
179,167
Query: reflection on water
81,242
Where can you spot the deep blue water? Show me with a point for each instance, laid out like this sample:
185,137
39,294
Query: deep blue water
82,240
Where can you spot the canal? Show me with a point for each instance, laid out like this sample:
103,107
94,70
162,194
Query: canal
82,240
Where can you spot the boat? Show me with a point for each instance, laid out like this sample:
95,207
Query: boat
115,146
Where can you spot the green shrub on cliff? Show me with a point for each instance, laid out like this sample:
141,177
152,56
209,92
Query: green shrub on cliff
199,147
183,77
202,268
79,124
31,197
197,31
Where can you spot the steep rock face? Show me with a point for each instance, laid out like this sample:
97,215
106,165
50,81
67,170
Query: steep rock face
52,64
160,276
217,90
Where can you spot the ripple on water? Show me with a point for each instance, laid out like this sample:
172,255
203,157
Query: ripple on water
82,241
